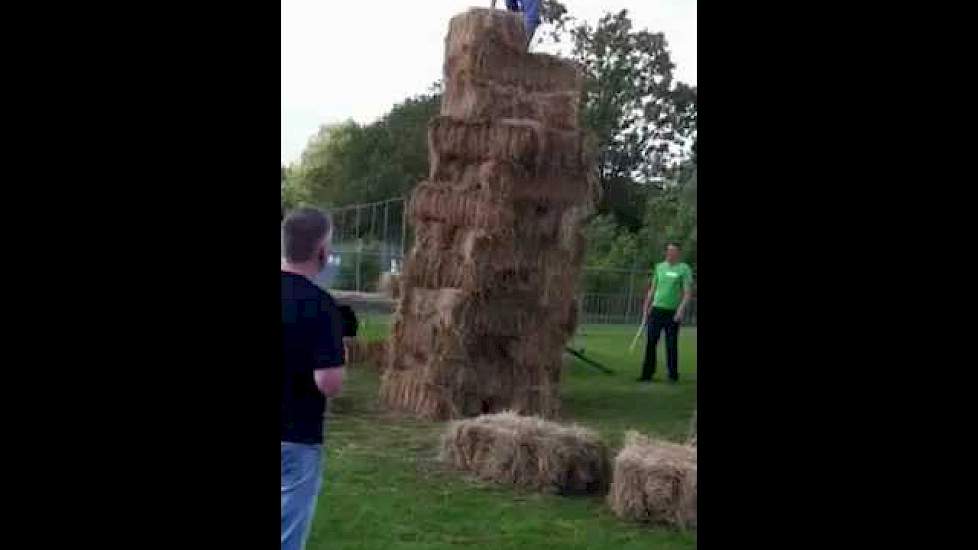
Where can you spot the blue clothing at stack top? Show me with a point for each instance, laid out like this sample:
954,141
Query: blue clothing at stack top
531,14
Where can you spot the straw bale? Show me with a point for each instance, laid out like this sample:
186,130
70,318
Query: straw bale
540,151
502,181
364,352
389,284
354,351
477,261
654,481
492,44
517,141
441,372
525,74
479,99
429,203
501,29
528,451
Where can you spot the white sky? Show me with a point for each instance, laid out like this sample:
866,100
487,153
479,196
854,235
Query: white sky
343,60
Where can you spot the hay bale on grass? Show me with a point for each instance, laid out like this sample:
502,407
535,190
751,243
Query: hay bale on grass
353,350
389,285
654,481
376,353
362,352
528,451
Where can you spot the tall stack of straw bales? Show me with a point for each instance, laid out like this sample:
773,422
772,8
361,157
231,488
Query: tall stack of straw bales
487,292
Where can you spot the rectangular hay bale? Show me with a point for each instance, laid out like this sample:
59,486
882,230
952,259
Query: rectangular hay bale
528,451
654,481
363,352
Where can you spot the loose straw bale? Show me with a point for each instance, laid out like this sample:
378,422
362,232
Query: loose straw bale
362,352
521,141
528,451
389,285
654,481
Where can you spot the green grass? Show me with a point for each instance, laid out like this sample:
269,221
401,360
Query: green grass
385,489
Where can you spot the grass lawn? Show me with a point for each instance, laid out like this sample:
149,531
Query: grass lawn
384,488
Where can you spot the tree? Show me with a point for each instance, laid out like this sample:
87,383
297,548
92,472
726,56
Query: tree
327,166
348,163
643,121
670,215
400,154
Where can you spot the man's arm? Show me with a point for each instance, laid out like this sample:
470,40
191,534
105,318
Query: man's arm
687,295
648,298
330,353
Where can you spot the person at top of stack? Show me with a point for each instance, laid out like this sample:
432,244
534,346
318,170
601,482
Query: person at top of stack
531,14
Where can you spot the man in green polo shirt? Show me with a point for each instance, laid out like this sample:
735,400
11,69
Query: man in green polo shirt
669,293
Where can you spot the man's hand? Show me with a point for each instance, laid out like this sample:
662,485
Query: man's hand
687,295
329,380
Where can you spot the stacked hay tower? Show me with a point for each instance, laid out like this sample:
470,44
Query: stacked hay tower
487,297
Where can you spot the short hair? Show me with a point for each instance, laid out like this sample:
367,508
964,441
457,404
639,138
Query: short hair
675,244
302,231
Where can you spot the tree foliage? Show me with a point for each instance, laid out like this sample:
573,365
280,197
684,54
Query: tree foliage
670,216
349,163
643,121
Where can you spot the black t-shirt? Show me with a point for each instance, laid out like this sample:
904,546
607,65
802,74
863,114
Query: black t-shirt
312,339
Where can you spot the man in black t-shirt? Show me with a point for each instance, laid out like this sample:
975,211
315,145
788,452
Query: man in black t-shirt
312,367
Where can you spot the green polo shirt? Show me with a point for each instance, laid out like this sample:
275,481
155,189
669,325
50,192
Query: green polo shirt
670,281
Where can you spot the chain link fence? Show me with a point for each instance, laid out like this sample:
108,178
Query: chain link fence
372,238
368,240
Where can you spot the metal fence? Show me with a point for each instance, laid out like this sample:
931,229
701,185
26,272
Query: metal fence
616,296
369,239
372,238
620,309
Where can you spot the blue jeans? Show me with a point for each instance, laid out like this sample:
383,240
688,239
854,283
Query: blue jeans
302,476
531,14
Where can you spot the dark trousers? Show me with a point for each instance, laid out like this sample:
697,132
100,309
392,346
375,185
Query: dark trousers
662,319
531,13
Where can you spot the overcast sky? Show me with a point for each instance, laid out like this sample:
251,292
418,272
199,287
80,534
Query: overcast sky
343,60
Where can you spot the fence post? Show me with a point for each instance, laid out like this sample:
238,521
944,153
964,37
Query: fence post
404,217
373,221
628,304
387,255
356,276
